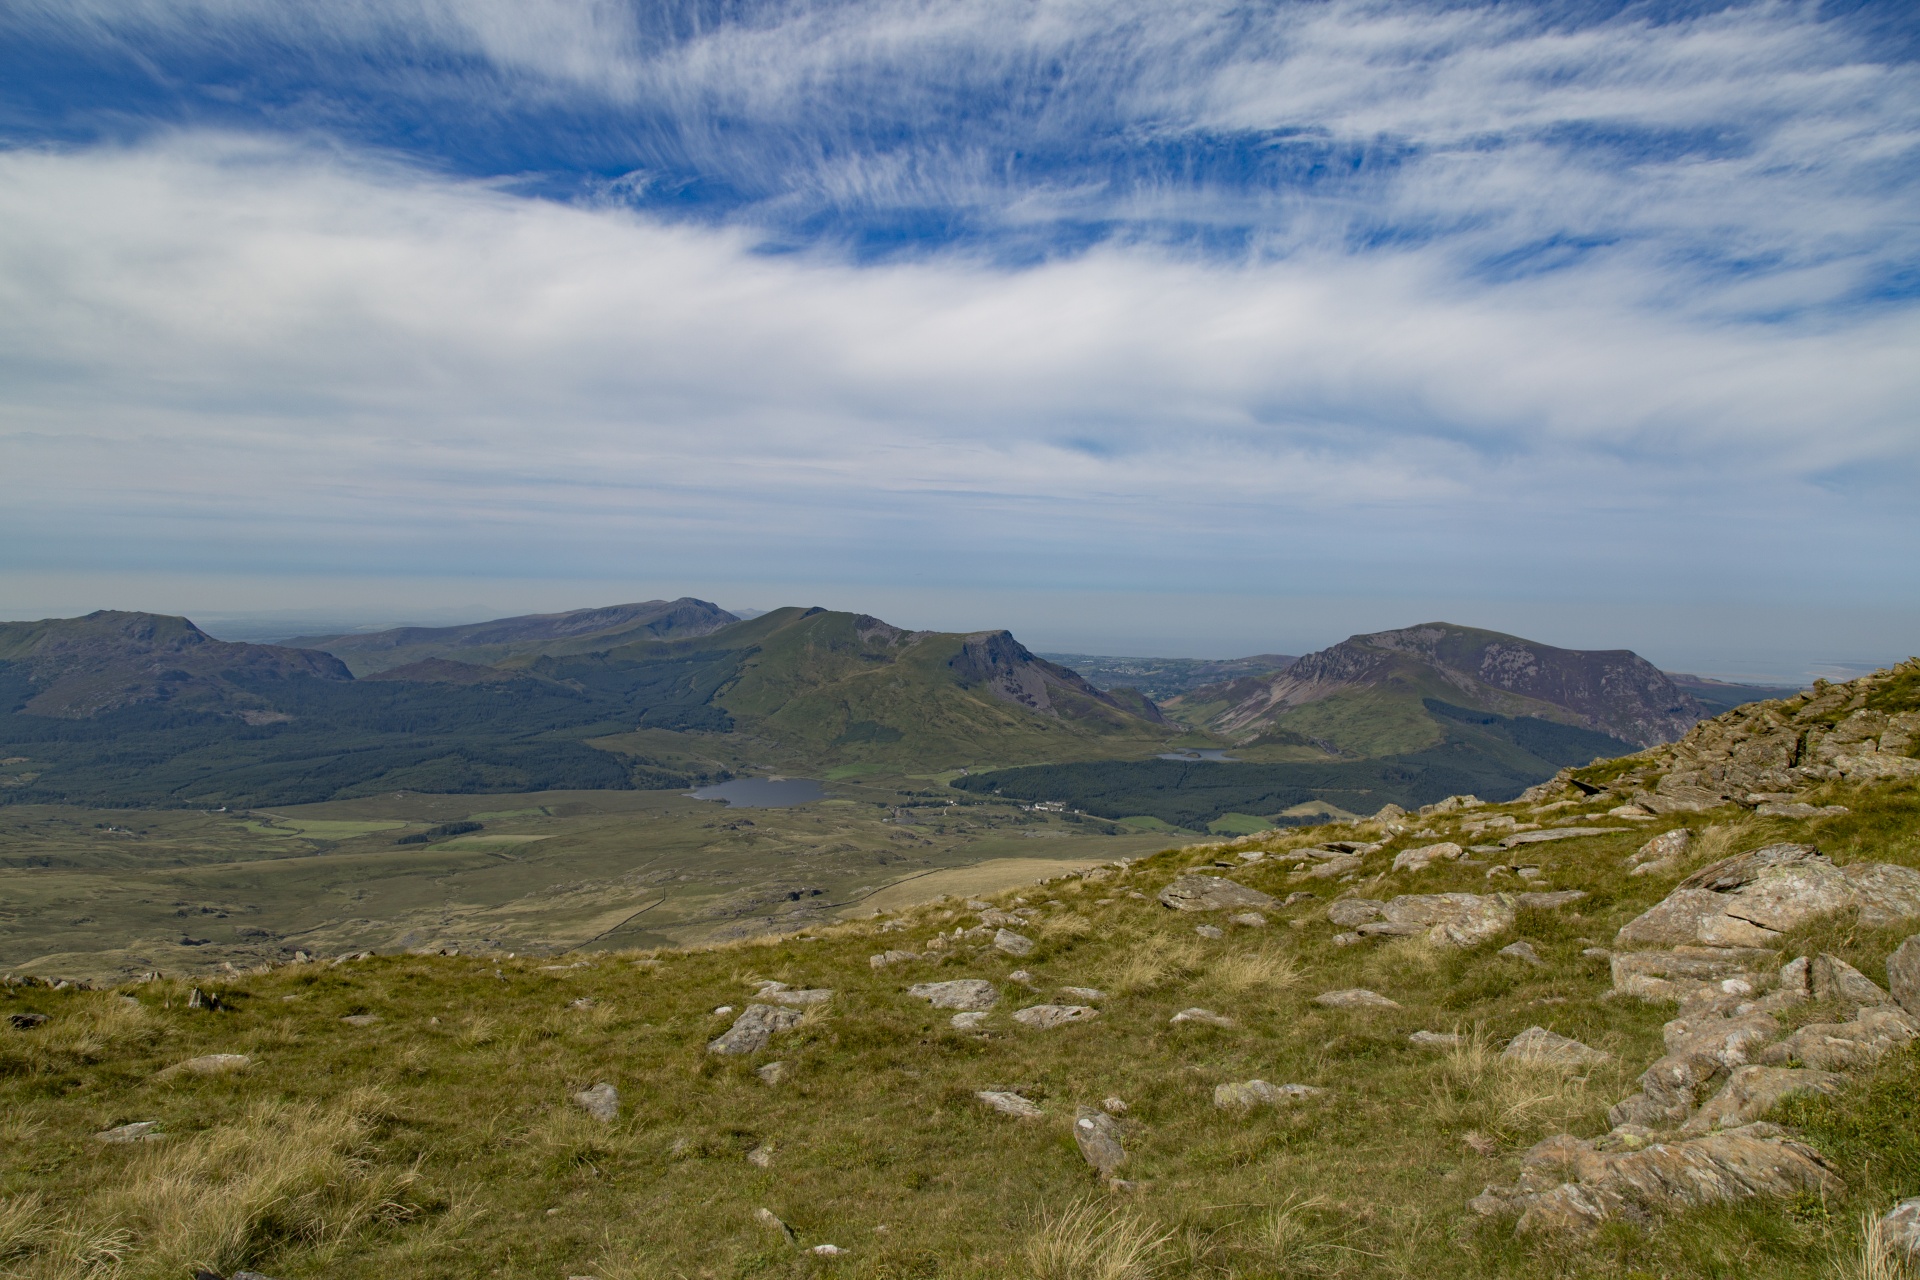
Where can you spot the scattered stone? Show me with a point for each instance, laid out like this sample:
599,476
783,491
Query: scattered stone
1752,1091
1795,809
1098,1136
1084,993
1212,893
1299,897
1837,982
584,1002
773,1072
761,1157
1347,912
781,993
771,1221
961,993
1207,1016
1451,919
723,1010
1419,859
1209,931
967,1021
975,904
1253,1093
1042,1017
1014,944
1249,919
1550,900
1556,833
1900,1230
827,1250
886,958
1751,899
27,1021
1011,1104
1596,953
1480,1144
213,1064
1346,939
1539,1045
1903,975
1355,998
138,1131
754,1029
1522,950
1113,1106
602,1102
361,1019
1436,1039
1338,866
1022,976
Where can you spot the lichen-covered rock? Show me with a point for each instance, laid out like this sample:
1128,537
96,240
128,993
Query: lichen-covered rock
1010,1104
754,1029
1539,1045
1751,899
1419,859
1213,893
1661,854
1014,944
1248,1094
1097,1134
960,993
1355,998
1348,912
1843,1046
1752,1091
1044,1016
1903,975
1837,982
1451,919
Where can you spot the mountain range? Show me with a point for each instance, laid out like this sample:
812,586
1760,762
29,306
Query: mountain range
134,708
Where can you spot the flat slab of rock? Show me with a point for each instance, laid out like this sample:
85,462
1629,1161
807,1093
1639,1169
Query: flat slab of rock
961,993
1348,912
602,1102
1248,1094
1558,833
1044,1016
1014,944
1213,893
1084,993
1548,900
1436,1039
1846,1046
138,1131
1097,1134
754,1029
886,958
1452,919
1355,998
1010,1104
1836,981
1208,1016
1751,899
1522,950
781,993
213,1064
1903,975
1537,1044
1420,859
361,1019
967,1021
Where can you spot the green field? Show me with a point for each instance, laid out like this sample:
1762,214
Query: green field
107,893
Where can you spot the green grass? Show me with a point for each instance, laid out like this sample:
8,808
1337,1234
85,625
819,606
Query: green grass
440,1142
1239,824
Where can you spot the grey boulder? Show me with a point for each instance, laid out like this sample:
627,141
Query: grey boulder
1245,1095
1213,893
1751,899
1098,1136
754,1029
961,993
1042,1017
602,1102
1547,1048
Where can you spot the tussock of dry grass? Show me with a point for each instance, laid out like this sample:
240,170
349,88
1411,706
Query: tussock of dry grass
1088,1242
1876,1258
1148,961
1251,972
1513,1100
100,1026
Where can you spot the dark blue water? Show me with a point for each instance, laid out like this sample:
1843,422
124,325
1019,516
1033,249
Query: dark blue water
763,793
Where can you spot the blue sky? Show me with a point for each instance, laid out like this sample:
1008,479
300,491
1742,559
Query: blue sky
1139,326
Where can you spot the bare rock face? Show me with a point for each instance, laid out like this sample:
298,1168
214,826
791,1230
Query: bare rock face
1539,1045
1098,1136
1450,919
1903,975
1837,982
754,1029
1568,1187
1752,1091
961,993
1750,899
1684,970
1213,893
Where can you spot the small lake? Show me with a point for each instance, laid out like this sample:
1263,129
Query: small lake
1209,753
763,793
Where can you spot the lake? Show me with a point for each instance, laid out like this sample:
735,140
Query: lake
763,793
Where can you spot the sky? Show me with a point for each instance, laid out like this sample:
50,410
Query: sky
1144,326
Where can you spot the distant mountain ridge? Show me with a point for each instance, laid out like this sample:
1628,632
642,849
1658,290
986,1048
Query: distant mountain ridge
1613,691
498,639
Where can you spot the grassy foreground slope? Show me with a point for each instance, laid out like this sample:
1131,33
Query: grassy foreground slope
435,1135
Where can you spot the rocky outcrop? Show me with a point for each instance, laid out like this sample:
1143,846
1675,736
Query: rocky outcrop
1213,893
1751,899
754,1029
1010,672
960,993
